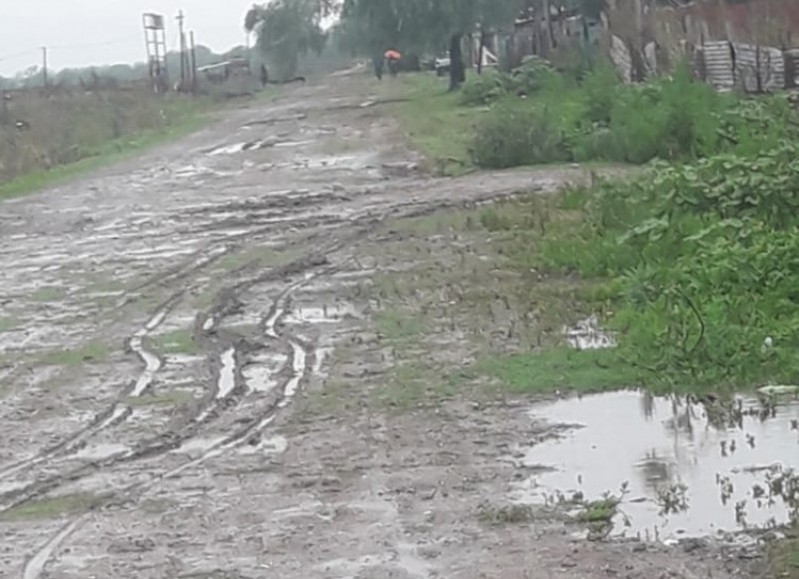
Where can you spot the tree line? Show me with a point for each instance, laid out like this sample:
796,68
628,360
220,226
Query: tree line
287,29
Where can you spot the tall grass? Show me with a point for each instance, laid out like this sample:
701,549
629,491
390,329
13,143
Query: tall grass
43,135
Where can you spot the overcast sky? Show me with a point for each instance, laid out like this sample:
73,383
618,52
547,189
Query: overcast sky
95,32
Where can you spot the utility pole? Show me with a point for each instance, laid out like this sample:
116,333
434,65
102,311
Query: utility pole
44,65
193,63
181,18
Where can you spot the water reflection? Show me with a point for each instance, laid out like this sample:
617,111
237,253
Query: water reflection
693,468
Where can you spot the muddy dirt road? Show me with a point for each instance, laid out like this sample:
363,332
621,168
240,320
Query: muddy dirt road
161,320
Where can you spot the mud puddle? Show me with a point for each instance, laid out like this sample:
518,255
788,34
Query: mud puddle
325,314
684,476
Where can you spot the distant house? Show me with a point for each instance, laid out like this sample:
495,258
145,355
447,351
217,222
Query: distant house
222,71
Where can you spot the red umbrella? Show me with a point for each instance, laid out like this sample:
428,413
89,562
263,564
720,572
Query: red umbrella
393,55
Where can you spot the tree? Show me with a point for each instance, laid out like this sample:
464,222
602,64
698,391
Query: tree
423,25
288,29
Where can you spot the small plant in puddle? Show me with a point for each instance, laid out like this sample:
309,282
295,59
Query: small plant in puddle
673,499
726,488
783,483
599,515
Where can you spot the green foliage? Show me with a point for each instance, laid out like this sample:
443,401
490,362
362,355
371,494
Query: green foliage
514,135
492,86
600,119
703,261
286,30
371,26
76,132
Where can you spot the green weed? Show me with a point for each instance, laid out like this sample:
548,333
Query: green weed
51,508
91,353
176,342
506,515
601,511
396,326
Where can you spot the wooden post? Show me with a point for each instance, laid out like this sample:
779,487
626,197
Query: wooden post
44,65
193,63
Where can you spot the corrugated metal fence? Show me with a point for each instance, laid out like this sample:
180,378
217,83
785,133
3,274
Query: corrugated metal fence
729,65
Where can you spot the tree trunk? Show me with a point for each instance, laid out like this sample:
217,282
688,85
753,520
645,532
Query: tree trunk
457,72
548,23
481,51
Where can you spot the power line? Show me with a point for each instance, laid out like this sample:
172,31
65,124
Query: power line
19,54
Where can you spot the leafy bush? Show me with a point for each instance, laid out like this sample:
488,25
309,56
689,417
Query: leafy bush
512,135
676,119
485,88
492,86
703,261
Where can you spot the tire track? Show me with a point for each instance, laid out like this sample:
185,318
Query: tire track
117,411
301,369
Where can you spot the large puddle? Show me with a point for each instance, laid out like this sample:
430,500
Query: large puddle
684,477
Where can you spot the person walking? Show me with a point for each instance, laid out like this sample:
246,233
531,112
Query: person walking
377,63
393,57
264,76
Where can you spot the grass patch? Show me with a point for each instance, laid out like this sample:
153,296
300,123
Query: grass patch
436,223
259,256
396,326
506,515
88,354
560,369
177,342
48,294
409,385
8,324
51,508
783,556
435,124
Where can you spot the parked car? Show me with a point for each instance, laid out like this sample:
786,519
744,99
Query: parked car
442,64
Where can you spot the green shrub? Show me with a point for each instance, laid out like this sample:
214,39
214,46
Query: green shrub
704,260
482,89
513,135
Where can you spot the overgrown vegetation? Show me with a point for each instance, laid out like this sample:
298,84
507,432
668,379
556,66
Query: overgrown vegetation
561,119
537,115
700,263
73,130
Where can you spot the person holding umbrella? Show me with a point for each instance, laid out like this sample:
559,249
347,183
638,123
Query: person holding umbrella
393,57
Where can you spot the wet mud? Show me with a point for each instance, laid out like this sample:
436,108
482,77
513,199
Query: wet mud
243,244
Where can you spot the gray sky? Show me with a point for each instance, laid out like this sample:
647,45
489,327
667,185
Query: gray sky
94,32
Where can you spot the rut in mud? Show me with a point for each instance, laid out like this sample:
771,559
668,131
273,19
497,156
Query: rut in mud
165,315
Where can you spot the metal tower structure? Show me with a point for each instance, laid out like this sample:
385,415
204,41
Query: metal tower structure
155,40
